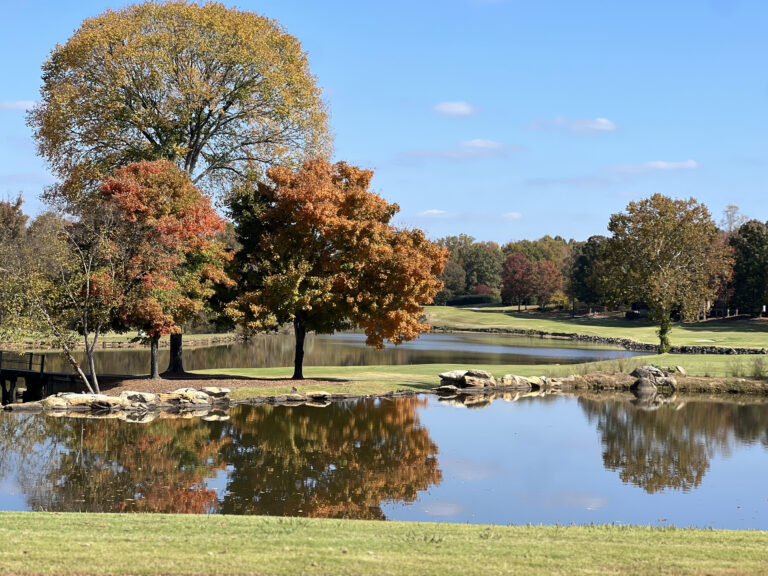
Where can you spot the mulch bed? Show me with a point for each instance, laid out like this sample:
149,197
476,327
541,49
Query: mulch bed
114,385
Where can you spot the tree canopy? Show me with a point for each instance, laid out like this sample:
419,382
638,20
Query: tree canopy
221,92
320,252
216,90
668,254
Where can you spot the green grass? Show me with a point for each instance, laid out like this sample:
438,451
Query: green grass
739,333
44,543
363,380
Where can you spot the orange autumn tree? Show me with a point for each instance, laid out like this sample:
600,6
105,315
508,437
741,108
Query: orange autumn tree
171,231
320,252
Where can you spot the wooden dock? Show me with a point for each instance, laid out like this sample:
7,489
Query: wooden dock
38,383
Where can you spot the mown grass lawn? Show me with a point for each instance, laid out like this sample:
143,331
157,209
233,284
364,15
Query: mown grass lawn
738,333
47,543
363,380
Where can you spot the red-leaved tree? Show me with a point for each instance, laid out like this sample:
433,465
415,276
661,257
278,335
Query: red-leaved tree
169,244
517,280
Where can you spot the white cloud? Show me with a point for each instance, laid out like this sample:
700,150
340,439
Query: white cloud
512,216
17,104
434,213
455,109
575,125
655,166
483,144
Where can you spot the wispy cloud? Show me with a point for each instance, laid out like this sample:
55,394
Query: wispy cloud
476,149
455,109
435,213
575,125
511,216
612,175
654,166
16,104
574,181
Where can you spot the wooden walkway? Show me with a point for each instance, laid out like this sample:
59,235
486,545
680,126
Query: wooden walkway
30,367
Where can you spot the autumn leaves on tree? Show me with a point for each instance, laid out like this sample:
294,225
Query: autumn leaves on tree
320,252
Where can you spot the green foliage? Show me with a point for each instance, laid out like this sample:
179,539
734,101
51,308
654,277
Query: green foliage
217,90
667,254
750,268
585,270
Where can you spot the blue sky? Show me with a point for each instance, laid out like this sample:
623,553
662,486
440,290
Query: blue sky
502,119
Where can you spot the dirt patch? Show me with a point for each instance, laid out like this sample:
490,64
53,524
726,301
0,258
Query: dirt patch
114,385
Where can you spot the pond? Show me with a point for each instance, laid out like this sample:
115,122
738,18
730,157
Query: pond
544,459
349,349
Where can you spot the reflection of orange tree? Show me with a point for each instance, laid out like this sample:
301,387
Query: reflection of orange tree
668,448
111,466
342,461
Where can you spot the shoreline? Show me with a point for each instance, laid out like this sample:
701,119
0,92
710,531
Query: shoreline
626,343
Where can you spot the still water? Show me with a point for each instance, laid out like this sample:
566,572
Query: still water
543,459
273,350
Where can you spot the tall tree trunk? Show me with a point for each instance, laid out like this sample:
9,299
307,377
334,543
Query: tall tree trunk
175,364
665,325
300,330
154,357
90,352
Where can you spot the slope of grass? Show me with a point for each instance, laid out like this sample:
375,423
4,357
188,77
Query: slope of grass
737,333
363,380
44,543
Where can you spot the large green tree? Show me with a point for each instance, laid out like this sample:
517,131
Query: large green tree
750,268
585,270
221,92
668,254
319,252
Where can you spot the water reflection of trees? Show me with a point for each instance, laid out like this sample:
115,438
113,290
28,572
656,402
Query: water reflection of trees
671,447
112,466
341,461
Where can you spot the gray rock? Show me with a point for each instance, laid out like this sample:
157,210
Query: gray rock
479,374
475,382
644,386
216,392
453,375
649,372
680,370
140,397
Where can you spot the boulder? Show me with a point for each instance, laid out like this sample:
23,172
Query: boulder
54,403
680,370
193,396
516,382
649,372
139,397
216,392
454,376
473,382
446,389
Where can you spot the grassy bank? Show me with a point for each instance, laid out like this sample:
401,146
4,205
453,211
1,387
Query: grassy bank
44,543
737,333
364,380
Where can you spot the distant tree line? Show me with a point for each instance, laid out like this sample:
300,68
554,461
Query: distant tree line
664,256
